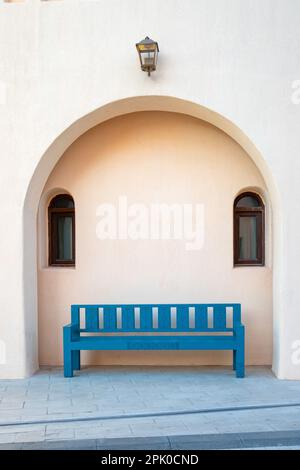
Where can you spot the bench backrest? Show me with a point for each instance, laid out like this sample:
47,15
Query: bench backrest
156,318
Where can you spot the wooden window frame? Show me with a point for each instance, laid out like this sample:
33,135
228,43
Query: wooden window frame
53,214
259,213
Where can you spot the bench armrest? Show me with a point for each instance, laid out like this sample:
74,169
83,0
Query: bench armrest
71,332
239,331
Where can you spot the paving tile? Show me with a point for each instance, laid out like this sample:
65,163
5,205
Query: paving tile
42,397
206,429
203,438
34,413
7,438
79,402
58,435
11,446
278,426
30,436
11,405
32,395
13,396
73,408
246,428
61,445
61,395
133,443
153,429
274,439
19,428
10,414
103,432
35,404
76,444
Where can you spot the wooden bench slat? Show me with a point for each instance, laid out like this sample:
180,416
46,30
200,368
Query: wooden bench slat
164,318
236,314
110,318
146,318
75,315
201,317
128,318
92,318
182,318
219,316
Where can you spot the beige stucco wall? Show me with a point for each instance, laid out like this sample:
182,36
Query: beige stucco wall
70,65
154,157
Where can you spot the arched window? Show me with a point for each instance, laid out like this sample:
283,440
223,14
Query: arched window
61,231
249,230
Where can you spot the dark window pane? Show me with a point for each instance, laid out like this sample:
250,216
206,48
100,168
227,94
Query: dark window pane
64,238
247,238
61,231
249,201
62,202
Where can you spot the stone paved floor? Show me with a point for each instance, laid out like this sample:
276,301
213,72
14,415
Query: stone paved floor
106,401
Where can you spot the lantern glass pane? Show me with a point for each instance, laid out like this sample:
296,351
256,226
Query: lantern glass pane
148,58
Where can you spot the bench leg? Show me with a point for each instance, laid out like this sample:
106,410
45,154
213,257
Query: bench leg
76,360
68,363
240,352
234,360
240,362
69,357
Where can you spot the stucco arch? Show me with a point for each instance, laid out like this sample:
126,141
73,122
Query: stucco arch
79,127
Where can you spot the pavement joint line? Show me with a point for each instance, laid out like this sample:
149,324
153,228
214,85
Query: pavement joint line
151,414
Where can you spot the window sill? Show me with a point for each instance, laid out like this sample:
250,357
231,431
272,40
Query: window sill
249,265
57,267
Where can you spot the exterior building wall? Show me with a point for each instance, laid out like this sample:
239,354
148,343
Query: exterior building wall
68,66
165,158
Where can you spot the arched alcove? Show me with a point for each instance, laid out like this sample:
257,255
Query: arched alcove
83,124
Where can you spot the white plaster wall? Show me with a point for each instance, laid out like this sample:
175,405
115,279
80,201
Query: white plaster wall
154,158
62,60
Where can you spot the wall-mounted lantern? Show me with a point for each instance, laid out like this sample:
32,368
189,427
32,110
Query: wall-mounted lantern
148,51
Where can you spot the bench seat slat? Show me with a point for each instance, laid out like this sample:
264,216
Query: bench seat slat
154,331
158,343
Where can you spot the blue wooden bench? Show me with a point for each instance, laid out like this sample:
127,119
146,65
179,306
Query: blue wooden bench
207,327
